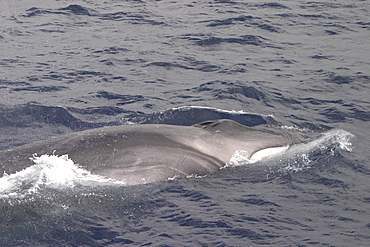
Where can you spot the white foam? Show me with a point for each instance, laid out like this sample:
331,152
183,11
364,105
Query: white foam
57,172
338,138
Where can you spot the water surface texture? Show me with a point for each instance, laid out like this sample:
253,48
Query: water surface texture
73,65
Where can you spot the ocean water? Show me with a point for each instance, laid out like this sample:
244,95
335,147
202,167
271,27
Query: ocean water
73,65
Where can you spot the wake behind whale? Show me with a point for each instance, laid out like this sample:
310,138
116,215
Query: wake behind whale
136,154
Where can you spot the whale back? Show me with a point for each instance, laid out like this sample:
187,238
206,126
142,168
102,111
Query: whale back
146,153
130,153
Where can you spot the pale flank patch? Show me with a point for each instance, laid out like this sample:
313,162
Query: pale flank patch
267,152
240,156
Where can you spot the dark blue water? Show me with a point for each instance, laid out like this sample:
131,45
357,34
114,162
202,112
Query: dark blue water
74,65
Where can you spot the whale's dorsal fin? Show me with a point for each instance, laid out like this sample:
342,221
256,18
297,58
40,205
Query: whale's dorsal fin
207,124
224,125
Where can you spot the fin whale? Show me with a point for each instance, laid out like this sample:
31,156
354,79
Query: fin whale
136,154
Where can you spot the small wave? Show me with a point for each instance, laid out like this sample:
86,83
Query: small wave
189,115
49,171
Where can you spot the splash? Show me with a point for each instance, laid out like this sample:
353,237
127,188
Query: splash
50,171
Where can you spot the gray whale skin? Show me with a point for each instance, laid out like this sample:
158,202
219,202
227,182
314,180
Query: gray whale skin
136,154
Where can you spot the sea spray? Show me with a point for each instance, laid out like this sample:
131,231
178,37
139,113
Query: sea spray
51,171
